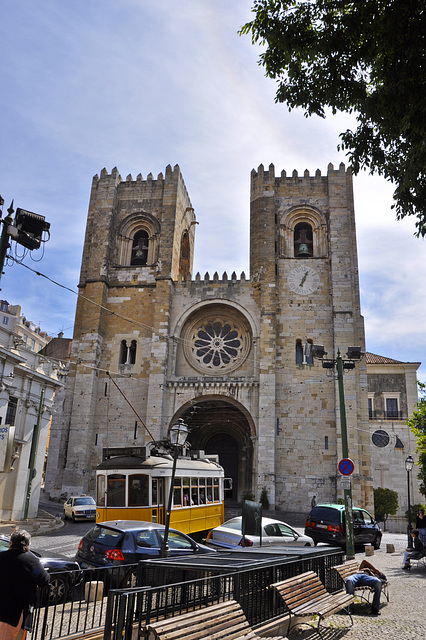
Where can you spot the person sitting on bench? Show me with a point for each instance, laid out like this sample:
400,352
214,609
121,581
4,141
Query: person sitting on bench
367,576
417,551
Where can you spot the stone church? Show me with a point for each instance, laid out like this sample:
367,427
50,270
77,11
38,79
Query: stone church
232,355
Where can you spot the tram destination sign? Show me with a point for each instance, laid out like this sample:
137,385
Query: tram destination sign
113,452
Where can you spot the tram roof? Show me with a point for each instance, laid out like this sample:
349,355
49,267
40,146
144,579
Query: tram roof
135,462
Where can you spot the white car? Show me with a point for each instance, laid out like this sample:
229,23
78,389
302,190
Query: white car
274,533
80,508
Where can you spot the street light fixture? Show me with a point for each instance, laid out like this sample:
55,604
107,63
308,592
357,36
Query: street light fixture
353,353
178,436
409,463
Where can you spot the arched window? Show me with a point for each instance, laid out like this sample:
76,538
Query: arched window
299,352
127,352
140,248
184,263
303,240
304,352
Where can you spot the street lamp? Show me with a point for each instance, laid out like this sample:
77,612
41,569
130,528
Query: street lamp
178,436
353,353
409,463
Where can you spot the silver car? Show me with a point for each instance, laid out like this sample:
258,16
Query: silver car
274,533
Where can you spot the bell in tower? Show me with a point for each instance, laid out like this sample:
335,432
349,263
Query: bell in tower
303,240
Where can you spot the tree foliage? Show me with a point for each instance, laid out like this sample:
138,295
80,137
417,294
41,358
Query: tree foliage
385,503
417,424
361,56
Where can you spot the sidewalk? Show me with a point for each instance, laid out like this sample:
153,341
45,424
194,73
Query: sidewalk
42,524
403,617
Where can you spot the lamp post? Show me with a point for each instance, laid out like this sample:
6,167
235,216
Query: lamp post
178,435
409,463
353,353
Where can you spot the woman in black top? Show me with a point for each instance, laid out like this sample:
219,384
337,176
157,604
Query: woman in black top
21,572
421,525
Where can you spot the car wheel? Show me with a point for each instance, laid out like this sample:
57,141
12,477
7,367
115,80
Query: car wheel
376,543
73,516
58,589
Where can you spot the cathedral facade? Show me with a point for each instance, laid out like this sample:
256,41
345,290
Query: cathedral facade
232,355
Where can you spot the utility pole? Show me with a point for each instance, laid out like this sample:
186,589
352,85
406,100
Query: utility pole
4,238
347,492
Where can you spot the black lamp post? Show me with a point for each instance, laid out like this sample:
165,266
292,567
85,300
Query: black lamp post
178,436
409,463
353,353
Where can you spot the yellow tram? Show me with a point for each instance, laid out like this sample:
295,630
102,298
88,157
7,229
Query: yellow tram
131,486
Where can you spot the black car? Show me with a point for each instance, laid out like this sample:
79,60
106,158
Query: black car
125,542
65,573
326,523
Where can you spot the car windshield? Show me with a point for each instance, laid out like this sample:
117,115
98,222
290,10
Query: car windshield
326,513
80,501
177,540
105,536
235,523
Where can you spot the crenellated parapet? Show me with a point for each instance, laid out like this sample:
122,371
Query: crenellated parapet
263,181
215,279
172,176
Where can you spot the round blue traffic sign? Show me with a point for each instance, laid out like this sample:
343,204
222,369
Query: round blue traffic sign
346,467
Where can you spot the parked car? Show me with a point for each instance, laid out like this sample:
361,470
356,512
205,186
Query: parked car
326,523
125,542
65,573
80,508
274,532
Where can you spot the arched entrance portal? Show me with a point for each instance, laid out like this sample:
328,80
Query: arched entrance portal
227,449
220,427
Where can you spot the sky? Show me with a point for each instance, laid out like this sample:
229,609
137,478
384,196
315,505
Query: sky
140,84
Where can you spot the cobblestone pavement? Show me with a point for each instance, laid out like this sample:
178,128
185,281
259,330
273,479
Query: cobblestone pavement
402,618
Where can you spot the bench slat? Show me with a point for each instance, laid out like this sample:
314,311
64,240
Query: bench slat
305,595
215,622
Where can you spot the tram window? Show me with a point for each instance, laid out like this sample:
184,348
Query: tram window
177,493
209,482
202,489
116,489
216,490
194,490
138,490
100,491
157,491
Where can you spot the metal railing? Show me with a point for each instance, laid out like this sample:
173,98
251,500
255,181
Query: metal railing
250,587
177,585
82,607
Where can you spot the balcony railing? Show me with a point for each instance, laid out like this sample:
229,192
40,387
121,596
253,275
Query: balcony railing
387,415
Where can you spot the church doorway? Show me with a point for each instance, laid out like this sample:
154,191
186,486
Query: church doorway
223,428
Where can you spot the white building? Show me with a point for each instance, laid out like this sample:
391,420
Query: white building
28,382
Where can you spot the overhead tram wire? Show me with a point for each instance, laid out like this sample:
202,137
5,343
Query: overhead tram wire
132,408
114,313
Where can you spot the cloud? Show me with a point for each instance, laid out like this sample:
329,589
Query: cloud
139,85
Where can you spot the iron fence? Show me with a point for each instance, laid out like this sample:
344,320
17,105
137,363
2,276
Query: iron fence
173,586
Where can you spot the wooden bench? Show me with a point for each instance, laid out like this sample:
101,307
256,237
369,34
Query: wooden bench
224,620
348,569
305,595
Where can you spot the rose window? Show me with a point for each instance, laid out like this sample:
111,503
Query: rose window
217,345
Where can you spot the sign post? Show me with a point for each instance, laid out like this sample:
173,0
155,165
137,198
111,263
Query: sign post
346,468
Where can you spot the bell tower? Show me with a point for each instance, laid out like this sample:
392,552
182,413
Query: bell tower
139,242
304,269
